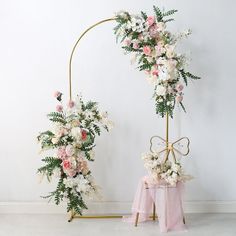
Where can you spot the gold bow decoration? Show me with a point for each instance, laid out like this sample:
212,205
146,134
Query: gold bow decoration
172,148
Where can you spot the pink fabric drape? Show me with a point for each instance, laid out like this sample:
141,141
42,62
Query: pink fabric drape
168,201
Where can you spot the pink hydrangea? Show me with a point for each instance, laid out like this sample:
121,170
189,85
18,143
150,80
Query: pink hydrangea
150,20
147,50
59,108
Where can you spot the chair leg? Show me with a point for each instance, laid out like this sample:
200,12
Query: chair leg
154,212
136,219
184,220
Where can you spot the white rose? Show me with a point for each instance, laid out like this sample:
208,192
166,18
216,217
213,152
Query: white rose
160,26
160,90
55,140
170,51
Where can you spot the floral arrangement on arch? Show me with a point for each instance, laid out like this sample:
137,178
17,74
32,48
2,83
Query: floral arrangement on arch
154,49
164,172
72,140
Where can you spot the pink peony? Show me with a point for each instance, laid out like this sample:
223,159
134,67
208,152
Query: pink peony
179,87
135,45
151,20
66,164
147,50
179,98
59,108
71,104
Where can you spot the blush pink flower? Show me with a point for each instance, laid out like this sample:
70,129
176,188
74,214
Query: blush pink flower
61,152
140,37
59,108
135,45
179,98
127,42
66,164
147,50
57,94
155,72
179,87
150,20
153,31
71,104
69,150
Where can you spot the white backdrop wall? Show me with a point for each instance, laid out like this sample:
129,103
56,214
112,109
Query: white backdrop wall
36,40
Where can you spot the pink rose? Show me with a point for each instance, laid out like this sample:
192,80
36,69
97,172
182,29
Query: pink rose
150,20
179,87
127,42
147,50
71,104
59,108
66,164
135,45
84,135
155,72
179,98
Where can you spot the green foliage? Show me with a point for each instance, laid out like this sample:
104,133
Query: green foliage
158,13
51,164
97,129
181,104
57,117
188,74
90,105
170,12
182,73
144,15
75,203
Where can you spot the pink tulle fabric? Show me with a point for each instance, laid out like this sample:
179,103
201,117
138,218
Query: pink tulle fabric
168,201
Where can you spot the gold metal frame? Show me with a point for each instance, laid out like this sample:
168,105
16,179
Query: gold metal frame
169,147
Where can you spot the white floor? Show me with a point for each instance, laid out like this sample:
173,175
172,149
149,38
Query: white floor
57,225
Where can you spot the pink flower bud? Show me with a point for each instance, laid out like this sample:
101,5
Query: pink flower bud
71,104
59,108
147,50
151,20
179,98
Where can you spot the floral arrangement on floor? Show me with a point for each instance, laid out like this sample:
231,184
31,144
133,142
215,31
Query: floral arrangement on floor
154,49
168,172
72,140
